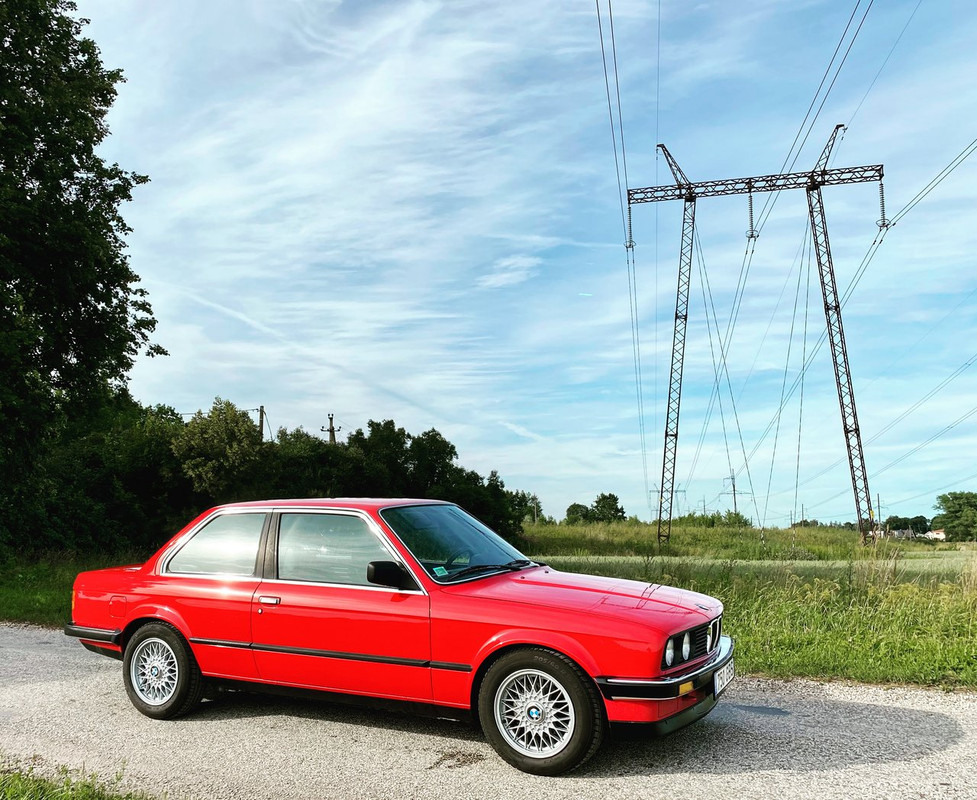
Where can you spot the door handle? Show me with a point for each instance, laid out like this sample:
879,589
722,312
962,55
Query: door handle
265,600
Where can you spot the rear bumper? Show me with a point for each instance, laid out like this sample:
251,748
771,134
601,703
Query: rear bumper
93,634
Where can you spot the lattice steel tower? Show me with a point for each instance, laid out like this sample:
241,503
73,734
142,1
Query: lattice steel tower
811,182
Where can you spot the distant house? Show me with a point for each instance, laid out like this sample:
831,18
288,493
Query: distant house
936,536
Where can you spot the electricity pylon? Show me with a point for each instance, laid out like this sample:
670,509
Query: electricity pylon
811,182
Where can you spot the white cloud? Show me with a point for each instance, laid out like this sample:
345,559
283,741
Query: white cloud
342,192
510,271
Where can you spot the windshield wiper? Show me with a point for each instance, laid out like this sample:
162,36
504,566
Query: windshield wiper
514,566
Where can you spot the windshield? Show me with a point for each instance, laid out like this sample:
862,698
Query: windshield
451,544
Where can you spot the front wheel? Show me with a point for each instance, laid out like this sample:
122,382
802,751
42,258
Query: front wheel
161,675
540,712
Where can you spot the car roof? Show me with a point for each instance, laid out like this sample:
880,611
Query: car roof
363,503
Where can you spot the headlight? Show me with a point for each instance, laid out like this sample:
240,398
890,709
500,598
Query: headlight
670,653
686,647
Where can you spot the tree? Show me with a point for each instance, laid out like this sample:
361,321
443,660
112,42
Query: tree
430,461
958,517
384,450
300,464
71,317
734,519
607,508
219,452
577,513
919,524
896,523
534,511
107,482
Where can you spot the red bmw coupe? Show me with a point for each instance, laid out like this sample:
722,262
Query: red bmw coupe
404,600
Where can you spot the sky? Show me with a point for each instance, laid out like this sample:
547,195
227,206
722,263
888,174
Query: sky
411,210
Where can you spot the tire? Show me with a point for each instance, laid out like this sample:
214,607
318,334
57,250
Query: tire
161,675
541,712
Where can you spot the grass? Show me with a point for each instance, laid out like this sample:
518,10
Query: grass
16,785
39,590
868,621
811,602
740,544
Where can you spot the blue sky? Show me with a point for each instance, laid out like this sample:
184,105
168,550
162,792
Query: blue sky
409,210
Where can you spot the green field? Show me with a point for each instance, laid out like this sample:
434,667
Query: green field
810,603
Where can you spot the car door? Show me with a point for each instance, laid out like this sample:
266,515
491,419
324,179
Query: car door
317,622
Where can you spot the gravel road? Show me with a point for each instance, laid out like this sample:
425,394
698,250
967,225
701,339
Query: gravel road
61,705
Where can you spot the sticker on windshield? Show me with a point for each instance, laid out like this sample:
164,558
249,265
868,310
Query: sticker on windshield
440,571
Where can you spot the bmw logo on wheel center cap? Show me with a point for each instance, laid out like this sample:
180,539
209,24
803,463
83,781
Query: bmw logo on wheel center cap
535,713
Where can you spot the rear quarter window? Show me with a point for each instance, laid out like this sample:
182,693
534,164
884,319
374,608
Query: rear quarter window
227,545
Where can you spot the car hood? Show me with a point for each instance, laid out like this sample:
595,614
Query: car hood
649,603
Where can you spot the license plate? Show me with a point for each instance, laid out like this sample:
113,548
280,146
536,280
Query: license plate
722,677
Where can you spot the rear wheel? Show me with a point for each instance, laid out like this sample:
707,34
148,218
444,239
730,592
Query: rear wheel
540,712
161,675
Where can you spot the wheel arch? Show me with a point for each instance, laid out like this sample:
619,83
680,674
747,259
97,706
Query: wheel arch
146,618
574,653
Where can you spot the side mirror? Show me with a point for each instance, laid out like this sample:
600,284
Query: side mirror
390,573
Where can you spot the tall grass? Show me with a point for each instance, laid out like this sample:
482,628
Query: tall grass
805,602
741,544
880,619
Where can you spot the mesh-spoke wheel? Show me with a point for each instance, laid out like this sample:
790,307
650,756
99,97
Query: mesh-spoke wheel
154,672
161,675
540,711
534,712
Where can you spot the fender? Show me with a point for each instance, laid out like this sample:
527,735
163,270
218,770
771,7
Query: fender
533,637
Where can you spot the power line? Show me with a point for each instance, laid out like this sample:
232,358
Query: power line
783,388
658,138
722,371
800,405
622,166
962,156
931,492
792,156
610,116
884,63
963,418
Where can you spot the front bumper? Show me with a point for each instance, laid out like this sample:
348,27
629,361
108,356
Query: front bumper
667,704
671,687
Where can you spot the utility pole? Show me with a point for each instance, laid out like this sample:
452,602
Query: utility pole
811,182
332,431
261,421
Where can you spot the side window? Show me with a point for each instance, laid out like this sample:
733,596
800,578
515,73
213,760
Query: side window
326,548
227,545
